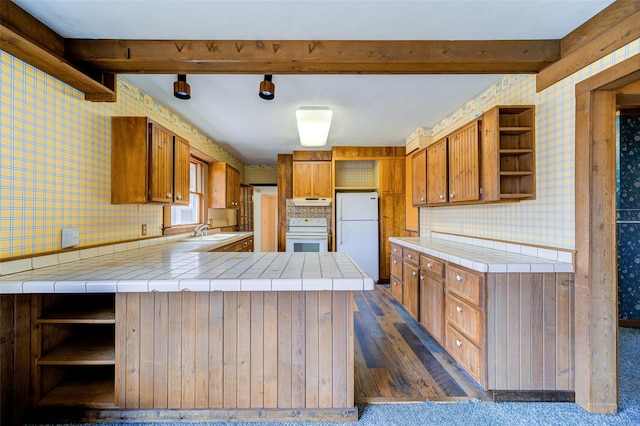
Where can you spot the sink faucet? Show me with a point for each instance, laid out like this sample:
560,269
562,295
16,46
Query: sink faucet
200,229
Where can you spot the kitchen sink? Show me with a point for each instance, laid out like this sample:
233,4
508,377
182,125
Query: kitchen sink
211,237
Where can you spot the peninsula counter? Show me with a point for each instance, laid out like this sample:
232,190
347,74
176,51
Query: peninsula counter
172,332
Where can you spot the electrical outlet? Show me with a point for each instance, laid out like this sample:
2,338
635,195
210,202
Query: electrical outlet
70,237
144,229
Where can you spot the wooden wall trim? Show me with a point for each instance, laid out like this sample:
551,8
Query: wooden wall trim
621,28
285,190
596,283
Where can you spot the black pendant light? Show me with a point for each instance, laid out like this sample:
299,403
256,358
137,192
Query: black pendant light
267,88
181,88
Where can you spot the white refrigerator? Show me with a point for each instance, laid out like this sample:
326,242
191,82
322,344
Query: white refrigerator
357,229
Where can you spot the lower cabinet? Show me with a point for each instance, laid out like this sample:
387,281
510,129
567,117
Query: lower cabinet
432,296
246,244
509,331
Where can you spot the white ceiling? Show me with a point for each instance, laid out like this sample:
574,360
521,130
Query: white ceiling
368,109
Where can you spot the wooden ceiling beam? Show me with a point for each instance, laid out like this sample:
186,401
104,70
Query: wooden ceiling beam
609,30
26,38
314,57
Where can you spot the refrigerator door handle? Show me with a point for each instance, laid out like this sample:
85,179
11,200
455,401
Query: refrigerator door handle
341,232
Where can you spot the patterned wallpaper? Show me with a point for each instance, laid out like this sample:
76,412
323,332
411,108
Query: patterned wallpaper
549,219
55,162
628,194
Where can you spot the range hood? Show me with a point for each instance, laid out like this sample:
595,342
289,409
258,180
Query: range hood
311,201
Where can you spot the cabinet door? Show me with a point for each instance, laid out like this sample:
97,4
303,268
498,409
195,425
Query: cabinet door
181,163
392,176
410,288
302,179
437,171
160,165
396,288
419,180
464,173
321,182
411,212
233,187
432,305
391,225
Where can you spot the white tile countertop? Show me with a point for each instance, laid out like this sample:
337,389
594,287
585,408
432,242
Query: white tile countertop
178,265
489,256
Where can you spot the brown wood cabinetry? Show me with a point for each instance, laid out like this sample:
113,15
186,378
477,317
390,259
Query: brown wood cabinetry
392,204
245,244
312,179
411,214
73,343
149,164
464,314
508,157
396,271
419,178
224,186
410,282
432,296
464,164
245,219
437,182
490,159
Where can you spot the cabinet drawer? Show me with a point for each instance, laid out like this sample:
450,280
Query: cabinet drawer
396,267
411,256
465,284
432,265
465,318
465,352
396,250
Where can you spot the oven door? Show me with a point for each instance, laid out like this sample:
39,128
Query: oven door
307,243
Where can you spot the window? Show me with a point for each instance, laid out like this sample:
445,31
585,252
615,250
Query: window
191,214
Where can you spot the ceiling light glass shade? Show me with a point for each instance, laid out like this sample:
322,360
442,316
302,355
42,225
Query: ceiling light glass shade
181,88
313,125
267,88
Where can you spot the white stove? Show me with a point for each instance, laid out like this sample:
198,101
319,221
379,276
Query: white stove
307,235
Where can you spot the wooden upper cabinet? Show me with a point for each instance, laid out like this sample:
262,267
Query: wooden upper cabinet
411,212
144,167
181,165
224,186
437,183
464,164
508,153
312,179
392,176
419,179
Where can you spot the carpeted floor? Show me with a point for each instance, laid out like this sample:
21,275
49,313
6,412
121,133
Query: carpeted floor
477,413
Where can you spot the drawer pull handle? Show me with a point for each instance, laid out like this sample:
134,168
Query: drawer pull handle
422,277
442,196
458,277
409,256
415,273
458,309
429,265
458,343
395,262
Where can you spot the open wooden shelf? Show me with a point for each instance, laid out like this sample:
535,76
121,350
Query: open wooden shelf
88,392
86,351
80,315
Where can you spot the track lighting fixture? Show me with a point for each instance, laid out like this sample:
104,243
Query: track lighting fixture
181,88
267,88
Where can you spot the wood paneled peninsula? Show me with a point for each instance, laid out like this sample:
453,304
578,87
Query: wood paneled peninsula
504,311
174,331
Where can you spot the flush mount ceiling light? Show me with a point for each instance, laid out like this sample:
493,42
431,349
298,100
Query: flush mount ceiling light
267,88
313,125
181,88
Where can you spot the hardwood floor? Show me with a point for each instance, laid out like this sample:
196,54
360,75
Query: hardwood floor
396,360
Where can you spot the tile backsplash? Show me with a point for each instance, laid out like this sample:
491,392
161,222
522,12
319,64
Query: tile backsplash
309,211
